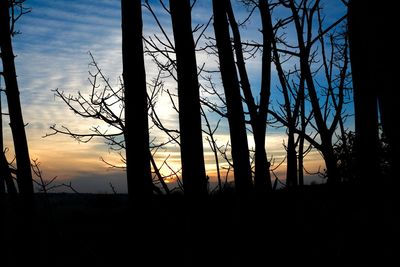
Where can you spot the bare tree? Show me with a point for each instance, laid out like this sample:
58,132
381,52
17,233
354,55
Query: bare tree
365,94
210,132
107,106
24,175
191,142
303,15
237,128
136,128
258,113
374,82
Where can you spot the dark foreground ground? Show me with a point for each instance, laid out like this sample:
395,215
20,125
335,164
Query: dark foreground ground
313,226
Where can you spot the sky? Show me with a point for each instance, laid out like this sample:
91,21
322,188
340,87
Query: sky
52,53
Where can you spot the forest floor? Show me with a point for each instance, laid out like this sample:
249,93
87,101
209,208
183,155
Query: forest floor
312,226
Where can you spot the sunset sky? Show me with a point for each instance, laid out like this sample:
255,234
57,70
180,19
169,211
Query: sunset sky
52,52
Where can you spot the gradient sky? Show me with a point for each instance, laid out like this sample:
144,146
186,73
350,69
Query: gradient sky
52,52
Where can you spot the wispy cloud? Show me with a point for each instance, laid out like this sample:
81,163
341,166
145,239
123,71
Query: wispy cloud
52,53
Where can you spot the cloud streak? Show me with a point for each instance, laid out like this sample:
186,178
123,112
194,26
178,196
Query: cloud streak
52,53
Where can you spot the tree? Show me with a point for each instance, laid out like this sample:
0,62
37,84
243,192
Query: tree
258,114
107,106
191,143
237,128
24,175
374,81
136,132
302,16
291,113
364,88
387,83
6,179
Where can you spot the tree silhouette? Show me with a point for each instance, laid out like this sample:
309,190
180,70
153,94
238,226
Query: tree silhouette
291,110
191,143
364,88
374,82
24,175
325,117
388,69
106,105
237,128
136,132
258,113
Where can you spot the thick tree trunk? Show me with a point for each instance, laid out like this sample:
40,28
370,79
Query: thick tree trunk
136,110
387,28
192,157
237,128
362,55
24,175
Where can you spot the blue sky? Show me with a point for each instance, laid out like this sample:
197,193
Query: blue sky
52,52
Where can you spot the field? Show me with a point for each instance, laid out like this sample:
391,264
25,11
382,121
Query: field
314,226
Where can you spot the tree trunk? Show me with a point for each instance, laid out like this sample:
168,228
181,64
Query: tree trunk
331,165
6,179
300,157
324,132
258,118
192,157
365,91
237,127
291,169
301,141
24,175
386,21
136,131
262,175
2,156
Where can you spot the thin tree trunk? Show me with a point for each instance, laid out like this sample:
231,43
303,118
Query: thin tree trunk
158,174
303,130
24,175
6,179
291,161
136,110
213,145
300,158
324,132
291,170
5,173
2,156
258,118
237,128
192,158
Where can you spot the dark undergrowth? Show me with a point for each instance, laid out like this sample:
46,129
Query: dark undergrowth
311,226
